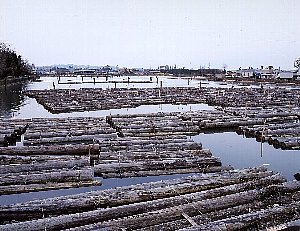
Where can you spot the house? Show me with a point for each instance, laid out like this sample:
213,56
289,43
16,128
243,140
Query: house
231,74
288,75
267,73
246,73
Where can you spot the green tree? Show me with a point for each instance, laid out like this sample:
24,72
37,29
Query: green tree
12,64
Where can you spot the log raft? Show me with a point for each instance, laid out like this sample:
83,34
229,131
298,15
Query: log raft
152,144
242,197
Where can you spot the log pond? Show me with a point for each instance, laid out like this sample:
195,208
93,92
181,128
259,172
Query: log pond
144,144
228,146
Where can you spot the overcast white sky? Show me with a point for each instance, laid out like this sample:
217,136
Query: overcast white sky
144,33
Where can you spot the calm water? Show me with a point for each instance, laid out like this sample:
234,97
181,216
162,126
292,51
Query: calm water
233,149
241,152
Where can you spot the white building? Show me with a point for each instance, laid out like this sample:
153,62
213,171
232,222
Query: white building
289,75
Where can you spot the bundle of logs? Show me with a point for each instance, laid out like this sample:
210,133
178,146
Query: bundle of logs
87,99
247,107
228,200
59,153
64,162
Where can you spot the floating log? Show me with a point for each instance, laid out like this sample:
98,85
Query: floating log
256,220
161,154
44,165
144,192
190,209
69,133
152,217
52,150
24,188
84,139
83,174
31,159
135,167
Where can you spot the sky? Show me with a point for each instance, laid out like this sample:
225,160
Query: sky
149,33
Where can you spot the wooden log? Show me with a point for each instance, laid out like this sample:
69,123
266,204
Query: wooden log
190,208
24,188
154,165
200,219
256,220
67,133
31,159
159,172
143,155
285,143
85,139
217,215
208,185
148,218
84,174
45,165
52,150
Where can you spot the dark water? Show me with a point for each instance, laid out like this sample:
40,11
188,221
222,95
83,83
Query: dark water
11,99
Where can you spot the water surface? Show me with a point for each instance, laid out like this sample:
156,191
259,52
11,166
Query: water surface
241,152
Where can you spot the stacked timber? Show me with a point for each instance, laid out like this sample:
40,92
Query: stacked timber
238,107
98,99
26,169
237,199
280,129
67,131
101,99
152,125
58,153
152,144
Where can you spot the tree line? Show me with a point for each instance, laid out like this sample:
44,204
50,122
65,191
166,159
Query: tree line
12,64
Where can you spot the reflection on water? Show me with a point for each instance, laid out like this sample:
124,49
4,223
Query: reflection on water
11,99
240,152
31,109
